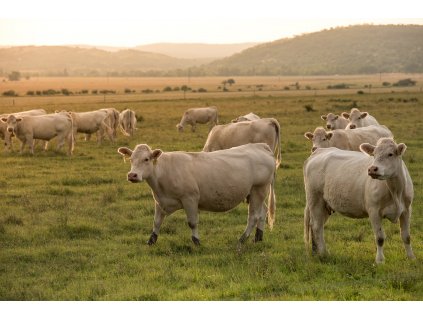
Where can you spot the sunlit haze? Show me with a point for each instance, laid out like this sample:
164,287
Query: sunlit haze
127,23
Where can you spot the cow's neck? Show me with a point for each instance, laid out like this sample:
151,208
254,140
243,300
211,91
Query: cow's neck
396,186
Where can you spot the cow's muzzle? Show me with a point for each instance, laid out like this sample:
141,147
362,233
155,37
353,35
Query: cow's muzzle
133,177
373,172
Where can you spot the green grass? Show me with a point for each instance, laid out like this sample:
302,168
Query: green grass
75,229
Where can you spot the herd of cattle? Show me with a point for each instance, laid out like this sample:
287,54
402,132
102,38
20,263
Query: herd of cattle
355,168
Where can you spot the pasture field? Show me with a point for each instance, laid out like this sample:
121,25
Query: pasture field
73,228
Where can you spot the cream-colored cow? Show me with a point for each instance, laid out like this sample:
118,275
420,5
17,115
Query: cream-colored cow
347,139
128,122
358,186
194,116
44,127
247,117
92,122
359,119
335,121
5,135
213,181
265,130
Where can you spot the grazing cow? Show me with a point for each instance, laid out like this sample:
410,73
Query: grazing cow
348,139
194,116
265,130
128,122
334,121
5,135
92,122
359,119
44,127
358,186
248,117
216,181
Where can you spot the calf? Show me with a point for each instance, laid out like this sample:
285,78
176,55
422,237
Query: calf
213,181
358,186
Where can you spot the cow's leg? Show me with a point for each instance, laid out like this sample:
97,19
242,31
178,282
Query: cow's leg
193,127
191,208
30,143
100,134
159,216
87,137
255,206
60,142
318,218
260,224
405,232
376,222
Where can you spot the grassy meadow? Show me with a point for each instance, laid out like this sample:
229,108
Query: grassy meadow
73,228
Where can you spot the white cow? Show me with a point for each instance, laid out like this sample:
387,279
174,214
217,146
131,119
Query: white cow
358,186
348,139
44,127
112,121
335,121
5,135
92,122
128,122
359,119
265,130
213,181
247,117
194,116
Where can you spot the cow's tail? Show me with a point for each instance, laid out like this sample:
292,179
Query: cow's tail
71,136
271,204
277,150
107,128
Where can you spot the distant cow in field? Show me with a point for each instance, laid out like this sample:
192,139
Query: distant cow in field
5,135
128,122
335,121
359,119
194,116
247,117
348,139
44,127
265,130
212,181
358,186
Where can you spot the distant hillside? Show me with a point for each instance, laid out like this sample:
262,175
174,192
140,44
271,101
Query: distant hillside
196,50
348,50
60,60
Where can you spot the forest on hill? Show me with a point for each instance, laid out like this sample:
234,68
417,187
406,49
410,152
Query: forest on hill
360,49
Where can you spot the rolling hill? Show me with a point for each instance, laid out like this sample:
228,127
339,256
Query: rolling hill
361,49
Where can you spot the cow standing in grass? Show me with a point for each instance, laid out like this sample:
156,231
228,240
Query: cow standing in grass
194,116
358,186
212,181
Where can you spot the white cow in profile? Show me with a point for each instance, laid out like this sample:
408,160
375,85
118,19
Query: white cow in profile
358,119
212,181
334,122
347,139
266,130
247,117
128,122
358,186
194,116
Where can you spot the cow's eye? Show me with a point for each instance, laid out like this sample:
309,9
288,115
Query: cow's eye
146,159
391,154
324,139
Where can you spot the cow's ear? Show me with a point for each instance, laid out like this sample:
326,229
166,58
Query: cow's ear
345,115
125,152
329,135
4,119
324,117
367,149
18,119
401,149
363,115
308,135
156,154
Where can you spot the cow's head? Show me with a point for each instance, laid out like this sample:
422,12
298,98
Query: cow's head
180,127
320,138
387,158
330,120
355,118
12,123
142,160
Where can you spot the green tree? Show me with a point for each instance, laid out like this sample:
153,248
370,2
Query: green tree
14,76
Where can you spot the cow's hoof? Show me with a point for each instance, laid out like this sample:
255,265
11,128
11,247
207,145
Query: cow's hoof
195,240
259,236
153,239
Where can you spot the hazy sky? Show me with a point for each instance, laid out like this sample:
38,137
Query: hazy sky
134,22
